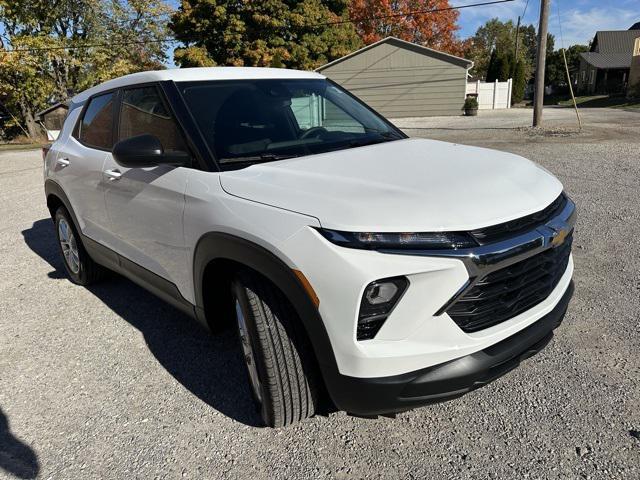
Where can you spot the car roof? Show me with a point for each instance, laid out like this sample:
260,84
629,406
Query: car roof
195,74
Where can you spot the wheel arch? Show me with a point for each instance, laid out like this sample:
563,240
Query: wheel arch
218,254
56,198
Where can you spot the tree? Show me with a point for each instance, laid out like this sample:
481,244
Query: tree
377,19
492,67
555,72
132,30
519,82
292,33
493,36
500,67
501,37
528,40
23,88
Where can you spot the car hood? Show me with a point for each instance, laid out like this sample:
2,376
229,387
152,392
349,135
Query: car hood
401,186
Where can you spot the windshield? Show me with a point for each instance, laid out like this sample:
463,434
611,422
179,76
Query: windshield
252,121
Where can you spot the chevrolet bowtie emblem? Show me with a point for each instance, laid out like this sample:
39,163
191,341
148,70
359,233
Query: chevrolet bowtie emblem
559,238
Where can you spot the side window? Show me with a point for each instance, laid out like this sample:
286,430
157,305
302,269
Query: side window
312,110
96,127
144,112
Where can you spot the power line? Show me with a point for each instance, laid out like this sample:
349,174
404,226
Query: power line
410,14
90,45
559,23
524,12
337,22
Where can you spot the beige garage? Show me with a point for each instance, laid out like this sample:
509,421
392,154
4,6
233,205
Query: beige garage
403,79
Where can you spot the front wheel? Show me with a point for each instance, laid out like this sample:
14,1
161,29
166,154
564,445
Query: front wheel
276,352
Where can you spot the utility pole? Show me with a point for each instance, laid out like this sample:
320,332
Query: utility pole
541,54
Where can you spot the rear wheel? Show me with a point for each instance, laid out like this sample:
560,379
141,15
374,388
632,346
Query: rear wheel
79,266
276,352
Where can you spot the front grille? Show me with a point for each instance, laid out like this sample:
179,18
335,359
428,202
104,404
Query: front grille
507,292
505,230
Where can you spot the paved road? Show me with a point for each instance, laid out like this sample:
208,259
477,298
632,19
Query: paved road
108,382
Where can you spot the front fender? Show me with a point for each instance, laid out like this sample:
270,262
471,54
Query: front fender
213,246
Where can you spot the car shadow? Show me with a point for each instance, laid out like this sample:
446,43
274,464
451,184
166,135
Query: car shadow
208,366
16,458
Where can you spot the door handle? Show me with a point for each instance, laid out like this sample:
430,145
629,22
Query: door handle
113,175
63,162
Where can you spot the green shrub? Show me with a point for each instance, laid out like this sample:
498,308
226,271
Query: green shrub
470,103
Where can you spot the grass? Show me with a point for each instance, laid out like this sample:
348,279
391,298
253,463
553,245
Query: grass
5,147
600,101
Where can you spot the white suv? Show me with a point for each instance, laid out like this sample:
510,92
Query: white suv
385,271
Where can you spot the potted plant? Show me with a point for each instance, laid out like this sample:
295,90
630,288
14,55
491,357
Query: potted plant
471,106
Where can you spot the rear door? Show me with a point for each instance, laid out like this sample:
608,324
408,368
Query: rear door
79,164
145,205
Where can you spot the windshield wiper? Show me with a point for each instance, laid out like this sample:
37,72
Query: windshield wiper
385,134
368,141
263,157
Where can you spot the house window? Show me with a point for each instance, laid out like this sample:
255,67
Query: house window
592,77
583,75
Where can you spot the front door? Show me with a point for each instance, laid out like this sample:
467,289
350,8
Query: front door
145,205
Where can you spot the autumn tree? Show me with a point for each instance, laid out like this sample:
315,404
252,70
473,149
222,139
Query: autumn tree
23,88
283,33
44,53
377,19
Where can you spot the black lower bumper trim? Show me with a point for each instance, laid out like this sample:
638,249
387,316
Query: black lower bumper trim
376,396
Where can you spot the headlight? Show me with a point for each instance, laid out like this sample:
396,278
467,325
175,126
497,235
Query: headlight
414,241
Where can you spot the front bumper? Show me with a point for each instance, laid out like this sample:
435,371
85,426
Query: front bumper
417,334
448,380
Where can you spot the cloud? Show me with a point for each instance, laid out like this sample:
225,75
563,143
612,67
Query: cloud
579,26
471,18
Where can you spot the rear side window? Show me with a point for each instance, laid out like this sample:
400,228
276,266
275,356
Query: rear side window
96,128
144,112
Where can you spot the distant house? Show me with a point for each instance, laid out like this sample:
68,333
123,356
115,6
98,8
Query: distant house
52,119
403,79
605,69
634,72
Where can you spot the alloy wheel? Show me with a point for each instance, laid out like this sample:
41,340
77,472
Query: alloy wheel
247,350
69,246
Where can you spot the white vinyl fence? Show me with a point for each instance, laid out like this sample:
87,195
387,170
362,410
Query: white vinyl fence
491,95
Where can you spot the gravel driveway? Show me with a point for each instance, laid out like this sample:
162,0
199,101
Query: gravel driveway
109,382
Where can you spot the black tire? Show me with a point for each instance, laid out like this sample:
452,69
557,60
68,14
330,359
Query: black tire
88,271
282,353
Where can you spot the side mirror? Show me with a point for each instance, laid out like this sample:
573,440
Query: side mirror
146,151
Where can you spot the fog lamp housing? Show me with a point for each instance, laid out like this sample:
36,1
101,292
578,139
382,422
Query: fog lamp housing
378,301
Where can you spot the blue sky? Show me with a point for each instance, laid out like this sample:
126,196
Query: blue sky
580,19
